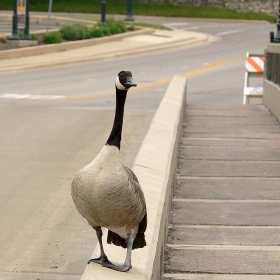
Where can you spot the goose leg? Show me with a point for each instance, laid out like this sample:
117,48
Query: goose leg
127,264
103,260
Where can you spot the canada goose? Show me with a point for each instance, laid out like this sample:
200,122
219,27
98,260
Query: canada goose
108,194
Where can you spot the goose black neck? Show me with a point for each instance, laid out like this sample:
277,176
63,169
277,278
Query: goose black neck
116,133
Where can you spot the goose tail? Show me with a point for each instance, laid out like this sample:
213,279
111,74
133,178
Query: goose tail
139,241
114,238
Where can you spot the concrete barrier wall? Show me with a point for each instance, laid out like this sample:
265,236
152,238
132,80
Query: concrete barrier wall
265,6
271,96
155,166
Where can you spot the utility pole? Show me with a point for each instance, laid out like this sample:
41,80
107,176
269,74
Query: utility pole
20,20
103,12
129,16
49,15
26,35
14,35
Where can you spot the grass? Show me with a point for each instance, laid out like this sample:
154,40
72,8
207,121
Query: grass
76,32
52,38
149,9
150,25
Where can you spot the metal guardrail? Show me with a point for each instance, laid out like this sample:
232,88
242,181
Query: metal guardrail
272,67
271,97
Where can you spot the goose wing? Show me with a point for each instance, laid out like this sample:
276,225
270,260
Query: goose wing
139,241
140,194
143,224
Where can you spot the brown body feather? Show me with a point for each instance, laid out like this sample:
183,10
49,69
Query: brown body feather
103,206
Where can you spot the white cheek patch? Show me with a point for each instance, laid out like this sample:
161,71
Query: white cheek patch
119,85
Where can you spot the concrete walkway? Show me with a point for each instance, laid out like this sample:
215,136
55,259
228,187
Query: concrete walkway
225,222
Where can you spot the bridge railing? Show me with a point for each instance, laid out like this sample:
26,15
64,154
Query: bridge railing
271,96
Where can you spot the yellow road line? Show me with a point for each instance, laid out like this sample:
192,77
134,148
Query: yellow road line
189,74
158,83
212,66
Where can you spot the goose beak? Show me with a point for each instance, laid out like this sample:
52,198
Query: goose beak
129,83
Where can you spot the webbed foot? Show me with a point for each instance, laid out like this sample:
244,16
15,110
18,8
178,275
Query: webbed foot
103,260
122,268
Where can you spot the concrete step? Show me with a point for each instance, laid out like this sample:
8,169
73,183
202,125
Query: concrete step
188,276
226,205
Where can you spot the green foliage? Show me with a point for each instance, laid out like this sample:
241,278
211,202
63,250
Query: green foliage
83,32
3,39
112,27
96,32
131,27
149,9
74,32
33,37
105,30
41,5
37,1
120,25
52,38
69,33
115,27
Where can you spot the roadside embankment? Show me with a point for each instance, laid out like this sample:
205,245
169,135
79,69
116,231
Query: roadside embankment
52,48
142,40
155,167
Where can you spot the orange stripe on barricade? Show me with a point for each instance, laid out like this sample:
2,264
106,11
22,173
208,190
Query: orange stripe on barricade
252,64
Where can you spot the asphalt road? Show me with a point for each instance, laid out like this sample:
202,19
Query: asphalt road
45,141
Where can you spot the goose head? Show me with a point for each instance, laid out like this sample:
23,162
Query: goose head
124,81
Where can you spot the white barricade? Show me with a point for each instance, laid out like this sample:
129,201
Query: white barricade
254,67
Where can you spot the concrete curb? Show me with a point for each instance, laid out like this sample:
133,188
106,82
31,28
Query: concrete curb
109,55
155,167
30,51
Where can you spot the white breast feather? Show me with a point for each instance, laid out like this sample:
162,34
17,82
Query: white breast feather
122,232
